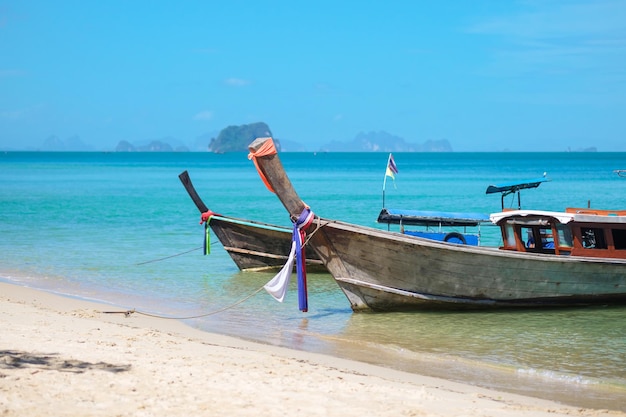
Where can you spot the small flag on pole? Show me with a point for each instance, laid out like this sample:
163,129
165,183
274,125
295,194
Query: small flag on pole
392,169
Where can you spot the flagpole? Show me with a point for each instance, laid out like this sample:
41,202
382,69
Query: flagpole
385,179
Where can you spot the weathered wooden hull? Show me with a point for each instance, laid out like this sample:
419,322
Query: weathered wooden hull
386,271
258,246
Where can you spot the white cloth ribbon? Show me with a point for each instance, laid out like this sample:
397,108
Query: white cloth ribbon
277,286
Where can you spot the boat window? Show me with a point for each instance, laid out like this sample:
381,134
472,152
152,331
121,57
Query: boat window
593,238
527,236
509,235
619,238
547,238
564,236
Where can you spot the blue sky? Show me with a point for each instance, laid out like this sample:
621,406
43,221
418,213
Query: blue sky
485,75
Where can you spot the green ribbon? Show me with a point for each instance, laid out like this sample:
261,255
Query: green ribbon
207,237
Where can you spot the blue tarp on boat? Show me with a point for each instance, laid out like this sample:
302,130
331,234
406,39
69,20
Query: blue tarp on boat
431,218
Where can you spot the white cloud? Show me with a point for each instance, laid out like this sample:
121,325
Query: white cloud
558,37
203,115
236,82
11,73
209,51
11,114
559,20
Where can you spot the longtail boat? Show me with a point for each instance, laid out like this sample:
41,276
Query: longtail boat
252,245
575,257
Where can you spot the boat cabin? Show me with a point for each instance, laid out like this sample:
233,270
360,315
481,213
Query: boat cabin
438,225
575,232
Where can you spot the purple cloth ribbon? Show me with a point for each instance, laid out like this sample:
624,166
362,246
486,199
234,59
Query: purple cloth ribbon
299,233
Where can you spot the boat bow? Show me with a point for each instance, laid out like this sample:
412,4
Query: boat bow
270,168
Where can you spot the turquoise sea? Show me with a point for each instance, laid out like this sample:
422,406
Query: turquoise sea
119,228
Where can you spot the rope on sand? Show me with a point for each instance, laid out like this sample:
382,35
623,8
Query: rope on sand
127,313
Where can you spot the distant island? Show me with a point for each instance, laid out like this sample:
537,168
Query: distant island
153,146
384,142
237,138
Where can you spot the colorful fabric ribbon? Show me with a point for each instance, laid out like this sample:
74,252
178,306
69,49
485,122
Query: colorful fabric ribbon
277,286
299,233
266,149
206,218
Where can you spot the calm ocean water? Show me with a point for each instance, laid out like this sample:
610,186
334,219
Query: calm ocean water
106,226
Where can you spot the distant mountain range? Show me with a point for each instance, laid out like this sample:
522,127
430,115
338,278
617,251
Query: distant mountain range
237,138
384,142
153,146
73,143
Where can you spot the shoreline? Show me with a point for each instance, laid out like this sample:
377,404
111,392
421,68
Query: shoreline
62,356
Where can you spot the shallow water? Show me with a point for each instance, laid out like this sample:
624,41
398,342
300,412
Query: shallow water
120,228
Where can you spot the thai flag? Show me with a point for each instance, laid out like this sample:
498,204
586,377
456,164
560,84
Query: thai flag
392,169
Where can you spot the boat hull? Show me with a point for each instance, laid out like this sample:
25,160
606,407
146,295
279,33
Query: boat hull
386,271
255,246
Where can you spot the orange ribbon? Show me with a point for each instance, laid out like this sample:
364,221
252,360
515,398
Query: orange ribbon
266,149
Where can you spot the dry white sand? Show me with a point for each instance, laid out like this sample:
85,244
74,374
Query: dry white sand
62,357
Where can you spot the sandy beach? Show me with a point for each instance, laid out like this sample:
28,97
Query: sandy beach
62,356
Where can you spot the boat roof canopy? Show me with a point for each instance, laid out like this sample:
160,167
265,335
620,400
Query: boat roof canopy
513,187
538,214
582,216
430,218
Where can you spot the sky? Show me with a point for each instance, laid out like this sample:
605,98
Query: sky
526,75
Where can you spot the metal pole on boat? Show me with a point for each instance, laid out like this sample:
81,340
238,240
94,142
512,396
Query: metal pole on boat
390,170
385,179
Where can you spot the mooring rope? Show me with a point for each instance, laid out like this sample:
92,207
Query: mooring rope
168,257
127,313
172,256
317,221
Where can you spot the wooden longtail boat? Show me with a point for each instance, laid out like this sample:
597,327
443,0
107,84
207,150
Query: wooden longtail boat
579,257
252,245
